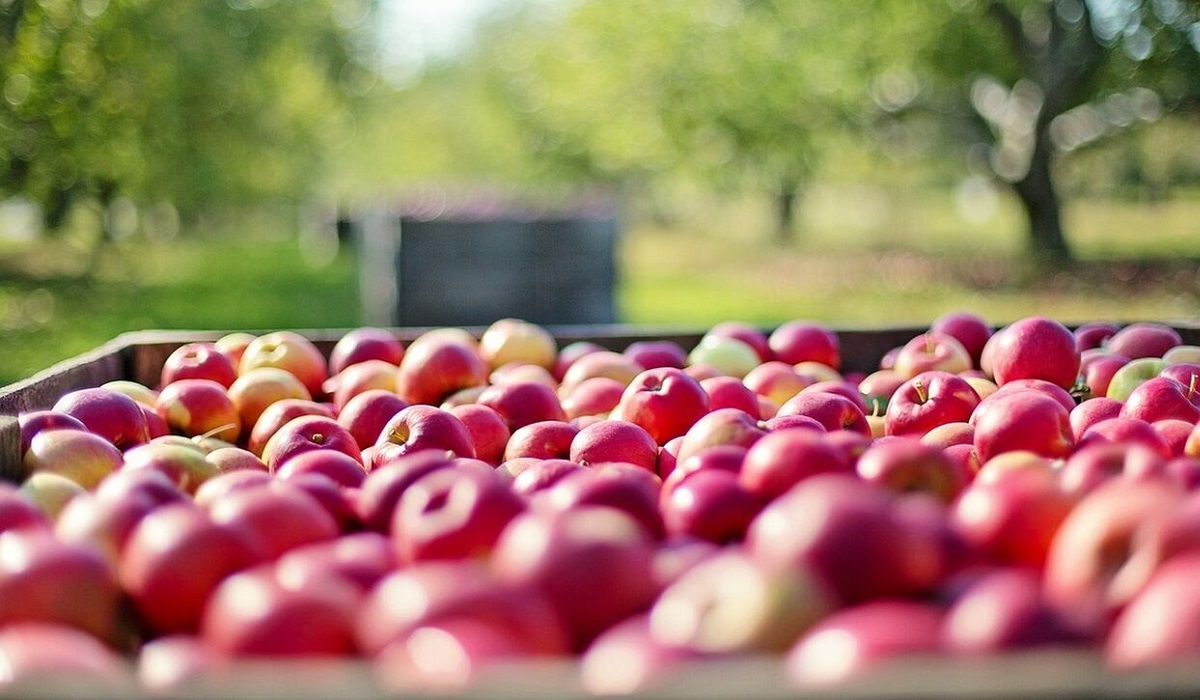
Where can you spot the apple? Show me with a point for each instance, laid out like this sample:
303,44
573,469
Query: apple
600,363
1091,412
878,387
18,513
905,464
437,365
832,411
1094,335
452,514
1059,394
571,352
365,415
199,407
624,487
723,426
387,482
710,504
233,345
79,455
749,334
229,459
779,460
730,392
488,430
33,422
258,388
933,350
359,377
174,558
50,492
291,352
626,659
594,565
1022,420
339,467
278,514
45,658
1097,463
928,400
137,391
198,360
520,403
1160,398
1098,374
509,339
422,427
1138,340
174,663
725,355
805,341
1131,375
727,458
1187,374
549,439
596,396
253,614
1182,354
110,414
613,440
305,433
1160,627
651,354
1125,431
103,524
854,640
365,343
1004,609
950,434
1175,434
1035,347
967,328
776,381
361,559
664,401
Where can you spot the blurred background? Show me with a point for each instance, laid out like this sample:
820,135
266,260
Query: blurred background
206,164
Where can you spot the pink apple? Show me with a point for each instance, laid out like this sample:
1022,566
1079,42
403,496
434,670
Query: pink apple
967,328
596,396
905,464
1125,431
1004,609
615,441
1161,625
710,504
366,414
339,467
549,439
1093,335
1175,434
421,427
601,363
779,460
571,352
1034,348
933,350
279,515
651,354
366,343
805,341
950,434
436,366
1160,398
489,433
1097,463
1022,420
1091,412
305,433
832,411
110,414
520,403
730,392
1138,340
452,514
723,426
624,487
362,376
45,658
33,422
626,659
278,414
198,360
1098,373
927,401
537,475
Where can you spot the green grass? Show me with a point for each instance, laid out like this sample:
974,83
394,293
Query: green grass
864,257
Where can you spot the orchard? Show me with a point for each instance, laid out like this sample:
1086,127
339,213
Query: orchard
431,512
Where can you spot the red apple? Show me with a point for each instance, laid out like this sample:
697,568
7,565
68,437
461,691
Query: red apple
452,514
1175,434
305,433
624,487
79,455
1093,335
45,658
1160,398
927,401
489,433
291,352
615,441
596,396
436,366
338,466
626,659
652,354
1022,420
664,401
367,375
931,351
905,464
710,504
421,427
1138,340
198,360
233,345
199,407
366,343
571,352
366,414
280,515
723,426
1004,609
779,460
1098,374
520,403
110,414
1092,411
805,341
33,422
1034,348
730,392
832,411
387,482
257,389
550,439
967,328
1125,431
1161,626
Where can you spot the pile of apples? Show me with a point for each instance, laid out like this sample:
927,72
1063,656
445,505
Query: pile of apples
441,510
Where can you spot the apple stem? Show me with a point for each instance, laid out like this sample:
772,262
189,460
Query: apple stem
928,345
920,389
1192,386
214,432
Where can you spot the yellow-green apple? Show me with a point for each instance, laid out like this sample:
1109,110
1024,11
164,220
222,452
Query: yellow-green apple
724,426
862,638
1163,397
252,614
777,381
1022,420
1189,354
1143,339
42,656
1091,412
366,414
781,459
928,400
1094,334
1125,431
198,360
1011,517
594,565
514,340
1091,552
520,403
932,350
724,355
531,475
731,603
709,503
199,407
657,353
1095,464
184,464
50,492
360,377
1034,347
596,396
31,423
110,414
306,433
1131,375
749,334
421,427
832,411
291,352
387,481
257,389
79,455
228,459
44,579
1160,627
279,514
615,441
805,341
489,432
1004,609
438,365
550,439
278,414
233,345
452,514
365,343
905,464
967,328
135,390
624,487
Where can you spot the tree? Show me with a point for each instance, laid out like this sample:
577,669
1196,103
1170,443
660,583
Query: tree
193,103
1036,79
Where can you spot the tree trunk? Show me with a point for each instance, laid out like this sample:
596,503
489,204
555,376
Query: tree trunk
1046,242
785,215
